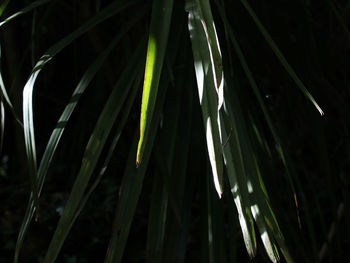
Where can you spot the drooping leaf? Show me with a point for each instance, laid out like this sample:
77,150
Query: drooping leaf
92,152
280,56
61,124
258,96
27,9
131,188
210,81
233,158
126,111
157,43
28,120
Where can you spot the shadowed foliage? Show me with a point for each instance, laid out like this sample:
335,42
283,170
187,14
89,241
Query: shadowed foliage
174,131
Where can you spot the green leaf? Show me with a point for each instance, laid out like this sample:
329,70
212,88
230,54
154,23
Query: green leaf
28,120
258,96
92,152
126,111
208,67
236,173
176,130
61,124
280,56
163,194
157,43
23,11
131,188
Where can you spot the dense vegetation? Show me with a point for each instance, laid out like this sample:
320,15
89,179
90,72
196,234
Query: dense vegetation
174,131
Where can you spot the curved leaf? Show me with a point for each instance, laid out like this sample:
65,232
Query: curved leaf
24,10
92,153
61,124
28,120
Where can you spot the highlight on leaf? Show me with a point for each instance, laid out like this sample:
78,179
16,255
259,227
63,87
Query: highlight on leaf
187,88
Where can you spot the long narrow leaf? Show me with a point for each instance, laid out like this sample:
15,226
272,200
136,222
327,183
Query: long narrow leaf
208,66
236,173
256,91
28,120
111,149
61,124
91,155
24,10
131,188
157,43
280,56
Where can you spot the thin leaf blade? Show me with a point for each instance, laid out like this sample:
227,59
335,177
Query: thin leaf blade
281,57
157,42
208,67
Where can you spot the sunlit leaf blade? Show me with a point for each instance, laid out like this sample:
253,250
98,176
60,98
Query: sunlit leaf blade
157,43
201,10
265,234
208,67
260,208
259,202
236,174
280,56
61,124
266,220
24,10
131,188
28,120
28,123
256,91
92,152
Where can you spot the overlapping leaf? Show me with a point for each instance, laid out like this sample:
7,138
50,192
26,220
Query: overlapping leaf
210,80
61,124
130,189
92,153
28,120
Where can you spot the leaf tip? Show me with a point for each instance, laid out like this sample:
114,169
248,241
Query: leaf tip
138,158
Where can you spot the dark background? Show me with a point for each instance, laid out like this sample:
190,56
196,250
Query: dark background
315,41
